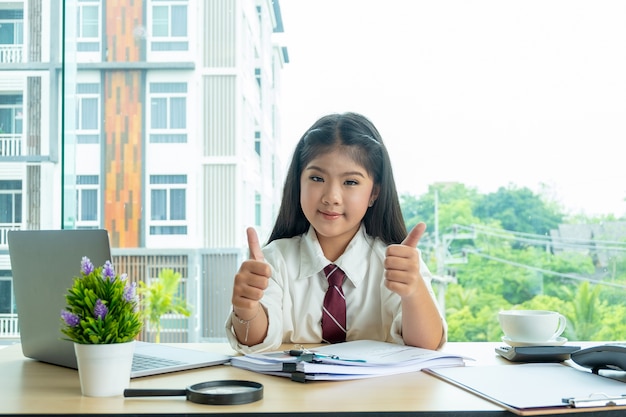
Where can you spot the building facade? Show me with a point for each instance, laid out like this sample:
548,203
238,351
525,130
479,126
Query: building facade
158,120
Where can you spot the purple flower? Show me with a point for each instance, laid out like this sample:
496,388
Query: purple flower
129,292
86,266
108,273
100,310
70,319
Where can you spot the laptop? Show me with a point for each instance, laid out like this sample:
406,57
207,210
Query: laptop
44,264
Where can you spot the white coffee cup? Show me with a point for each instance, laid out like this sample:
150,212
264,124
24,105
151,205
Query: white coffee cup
531,325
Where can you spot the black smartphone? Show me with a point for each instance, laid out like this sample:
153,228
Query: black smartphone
536,353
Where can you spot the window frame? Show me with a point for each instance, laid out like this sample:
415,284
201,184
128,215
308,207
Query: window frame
167,134
15,200
81,188
170,41
86,135
168,184
88,43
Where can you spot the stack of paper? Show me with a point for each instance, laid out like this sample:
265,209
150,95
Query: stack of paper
348,360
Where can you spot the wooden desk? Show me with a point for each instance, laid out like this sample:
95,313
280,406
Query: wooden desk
29,387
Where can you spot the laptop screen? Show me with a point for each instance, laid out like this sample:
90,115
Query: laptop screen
44,264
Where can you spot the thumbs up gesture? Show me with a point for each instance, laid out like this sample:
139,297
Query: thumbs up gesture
251,280
402,264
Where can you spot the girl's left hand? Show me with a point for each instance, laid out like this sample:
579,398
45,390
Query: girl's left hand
402,264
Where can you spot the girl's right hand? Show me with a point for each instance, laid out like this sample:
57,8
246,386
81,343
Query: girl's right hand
251,280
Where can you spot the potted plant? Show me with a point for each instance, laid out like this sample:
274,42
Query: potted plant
102,318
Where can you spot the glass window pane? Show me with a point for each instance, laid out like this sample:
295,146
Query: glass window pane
87,179
18,208
89,113
10,185
7,33
160,21
158,118
5,296
168,87
89,205
158,206
90,22
179,21
178,113
177,205
6,208
6,116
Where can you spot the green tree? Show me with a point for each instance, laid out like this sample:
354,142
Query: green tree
503,271
586,312
472,314
160,297
519,210
422,209
571,263
613,324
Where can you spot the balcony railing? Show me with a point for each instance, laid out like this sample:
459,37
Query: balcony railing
11,54
4,230
9,326
10,144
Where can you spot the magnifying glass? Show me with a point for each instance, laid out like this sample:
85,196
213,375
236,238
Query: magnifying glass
227,392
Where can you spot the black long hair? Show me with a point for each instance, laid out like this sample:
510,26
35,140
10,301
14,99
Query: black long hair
360,137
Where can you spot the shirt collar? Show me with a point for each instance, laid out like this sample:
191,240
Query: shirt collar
313,261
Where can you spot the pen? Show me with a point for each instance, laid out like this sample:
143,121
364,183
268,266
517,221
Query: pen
313,355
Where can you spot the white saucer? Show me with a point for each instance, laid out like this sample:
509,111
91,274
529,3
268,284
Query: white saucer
554,342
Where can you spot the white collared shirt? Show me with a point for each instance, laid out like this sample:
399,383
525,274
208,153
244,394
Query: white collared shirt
295,295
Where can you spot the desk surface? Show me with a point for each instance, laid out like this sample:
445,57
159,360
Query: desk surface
35,388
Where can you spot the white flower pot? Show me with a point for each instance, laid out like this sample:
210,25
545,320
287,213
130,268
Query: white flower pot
104,370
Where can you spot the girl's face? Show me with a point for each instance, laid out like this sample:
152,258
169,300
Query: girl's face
335,194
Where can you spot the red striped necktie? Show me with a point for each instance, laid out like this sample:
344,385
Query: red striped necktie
334,311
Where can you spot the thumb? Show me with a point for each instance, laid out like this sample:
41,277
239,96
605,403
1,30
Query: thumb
414,235
253,244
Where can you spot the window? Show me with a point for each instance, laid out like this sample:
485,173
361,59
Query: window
257,142
186,99
11,124
6,292
87,192
88,109
168,117
169,26
11,27
168,201
11,115
10,203
88,33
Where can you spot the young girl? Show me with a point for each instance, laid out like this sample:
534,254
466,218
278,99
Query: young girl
339,207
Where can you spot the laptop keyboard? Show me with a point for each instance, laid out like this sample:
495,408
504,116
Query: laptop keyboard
141,362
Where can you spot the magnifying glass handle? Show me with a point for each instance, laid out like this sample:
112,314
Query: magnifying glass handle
138,392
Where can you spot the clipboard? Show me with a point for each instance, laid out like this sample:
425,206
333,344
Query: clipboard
537,388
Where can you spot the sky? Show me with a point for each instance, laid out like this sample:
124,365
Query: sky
488,93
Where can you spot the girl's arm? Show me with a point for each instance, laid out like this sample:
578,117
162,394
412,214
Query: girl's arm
250,318
422,325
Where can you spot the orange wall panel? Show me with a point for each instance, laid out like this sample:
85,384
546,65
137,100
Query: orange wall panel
123,123
123,157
